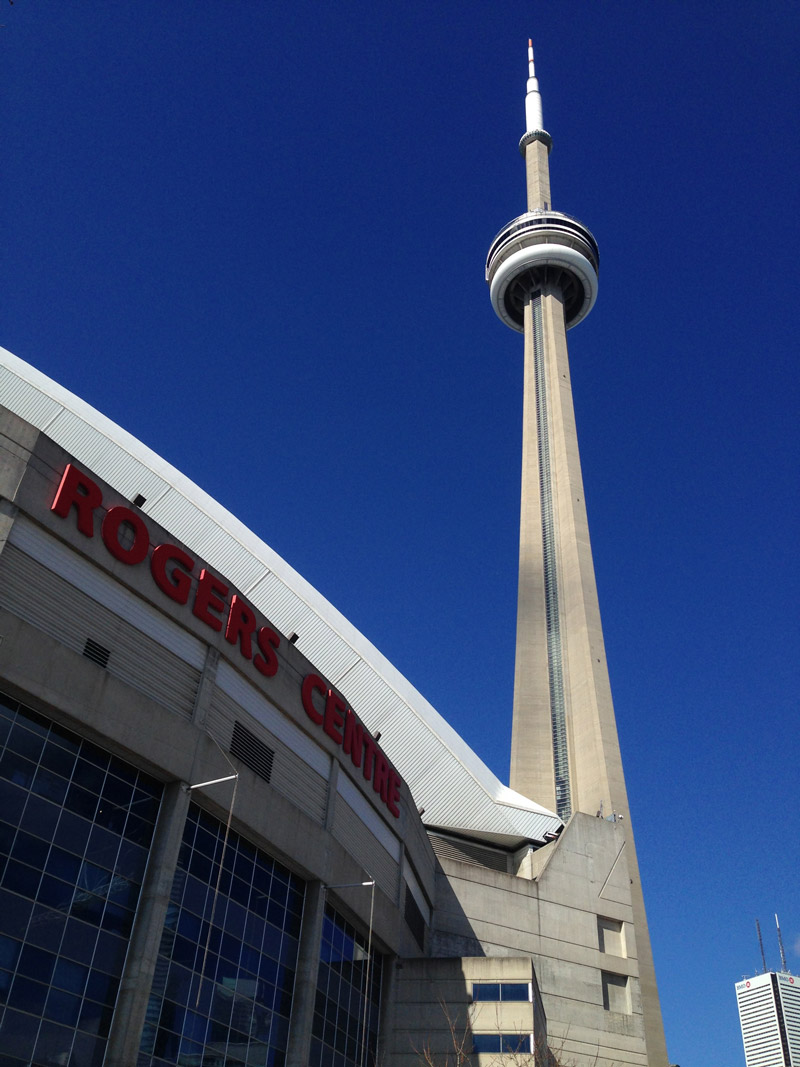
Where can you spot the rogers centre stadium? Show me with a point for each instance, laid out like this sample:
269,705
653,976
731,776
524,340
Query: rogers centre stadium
234,832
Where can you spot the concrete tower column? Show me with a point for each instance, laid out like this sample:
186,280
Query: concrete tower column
542,271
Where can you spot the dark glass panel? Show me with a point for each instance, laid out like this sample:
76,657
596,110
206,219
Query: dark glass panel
27,995
50,786
111,816
88,1051
12,801
70,976
46,925
54,893
486,991
189,925
14,913
31,850
117,919
179,984
128,774
39,817
131,861
184,951
63,864
102,987
62,1007
21,879
36,963
514,991
80,801
65,738
9,951
25,743
78,941
109,954
95,1018
117,793
72,833
87,906
95,755
58,760
16,769
138,830
146,805
88,776
18,1034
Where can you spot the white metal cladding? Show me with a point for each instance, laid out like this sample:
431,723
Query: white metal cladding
173,511
98,585
56,607
112,462
260,709
290,776
25,400
445,776
364,847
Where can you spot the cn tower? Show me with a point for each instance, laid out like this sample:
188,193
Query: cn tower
542,270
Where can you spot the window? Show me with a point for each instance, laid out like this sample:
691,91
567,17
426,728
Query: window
611,936
500,1043
501,991
348,997
616,994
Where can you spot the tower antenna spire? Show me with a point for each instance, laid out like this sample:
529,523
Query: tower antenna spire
761,946
780,945
533,98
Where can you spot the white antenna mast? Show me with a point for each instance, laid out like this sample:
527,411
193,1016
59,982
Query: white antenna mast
533,99
780,943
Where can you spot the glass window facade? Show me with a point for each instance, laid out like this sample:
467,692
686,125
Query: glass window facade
75,830
225,974
345,1030
502,1043
501,991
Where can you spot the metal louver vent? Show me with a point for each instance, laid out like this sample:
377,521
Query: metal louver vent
96,652
448,848
252,752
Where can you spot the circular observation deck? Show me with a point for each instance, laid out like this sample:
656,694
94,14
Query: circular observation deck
542,246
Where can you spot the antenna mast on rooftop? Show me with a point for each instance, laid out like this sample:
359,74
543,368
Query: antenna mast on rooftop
780,943
761,946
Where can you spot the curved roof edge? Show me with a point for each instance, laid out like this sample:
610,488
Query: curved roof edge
444,775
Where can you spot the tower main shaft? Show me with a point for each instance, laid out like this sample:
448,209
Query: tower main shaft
542,271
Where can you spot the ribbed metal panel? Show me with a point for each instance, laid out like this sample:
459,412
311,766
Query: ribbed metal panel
466,852
281,605
113,463
174,511
325,648
58,557
364,847
376,702
54,606
250,700
26,400
290,775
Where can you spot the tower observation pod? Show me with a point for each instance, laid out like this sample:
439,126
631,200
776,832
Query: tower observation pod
542,270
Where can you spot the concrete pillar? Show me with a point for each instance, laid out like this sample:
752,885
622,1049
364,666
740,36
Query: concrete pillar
537,175
305,986
140,965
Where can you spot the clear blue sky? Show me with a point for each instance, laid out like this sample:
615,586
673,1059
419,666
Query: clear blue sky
253,233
